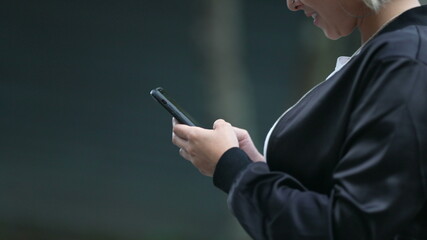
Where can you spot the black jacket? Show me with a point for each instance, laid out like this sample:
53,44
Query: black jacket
349,160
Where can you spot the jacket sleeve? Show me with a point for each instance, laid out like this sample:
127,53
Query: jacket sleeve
379,182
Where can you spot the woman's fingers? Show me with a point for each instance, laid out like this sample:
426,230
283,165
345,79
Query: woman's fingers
183,136
204,147
241,133
178,141
179,135
181,130
247,145
184,154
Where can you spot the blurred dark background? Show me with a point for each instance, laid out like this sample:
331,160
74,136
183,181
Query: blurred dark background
85,152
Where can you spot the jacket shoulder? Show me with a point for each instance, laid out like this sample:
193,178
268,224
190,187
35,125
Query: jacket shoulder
409,42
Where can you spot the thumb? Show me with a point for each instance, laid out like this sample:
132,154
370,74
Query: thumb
220,123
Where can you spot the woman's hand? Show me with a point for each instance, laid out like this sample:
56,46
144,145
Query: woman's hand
204,147
247,145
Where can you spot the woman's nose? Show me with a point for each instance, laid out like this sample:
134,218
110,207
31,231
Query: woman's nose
294,5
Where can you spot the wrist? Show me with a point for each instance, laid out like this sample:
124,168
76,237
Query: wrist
231,163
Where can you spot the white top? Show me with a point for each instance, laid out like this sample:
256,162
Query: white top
341,62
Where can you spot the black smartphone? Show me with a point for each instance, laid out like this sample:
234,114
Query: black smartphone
172,107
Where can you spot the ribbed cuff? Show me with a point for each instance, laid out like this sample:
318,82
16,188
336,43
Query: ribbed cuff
233,161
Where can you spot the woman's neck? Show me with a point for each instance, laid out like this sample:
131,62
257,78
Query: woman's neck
370,25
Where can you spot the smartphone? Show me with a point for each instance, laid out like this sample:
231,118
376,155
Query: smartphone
172,107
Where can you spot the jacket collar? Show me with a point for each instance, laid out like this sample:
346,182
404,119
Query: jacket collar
414,16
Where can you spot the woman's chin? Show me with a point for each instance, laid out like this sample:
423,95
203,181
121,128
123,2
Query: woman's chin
331,35
335,35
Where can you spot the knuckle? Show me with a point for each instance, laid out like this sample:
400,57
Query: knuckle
219,121
222,123
190,151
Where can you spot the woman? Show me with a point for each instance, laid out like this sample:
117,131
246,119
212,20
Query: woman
349,160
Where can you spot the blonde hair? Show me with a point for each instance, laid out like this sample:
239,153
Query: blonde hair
375,4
